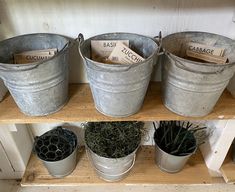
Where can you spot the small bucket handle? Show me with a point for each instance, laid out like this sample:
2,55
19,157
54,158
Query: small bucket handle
18,68
92,163
158,40
80,40
182,66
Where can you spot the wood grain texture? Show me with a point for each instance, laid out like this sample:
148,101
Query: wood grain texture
144,172
228,169
80,107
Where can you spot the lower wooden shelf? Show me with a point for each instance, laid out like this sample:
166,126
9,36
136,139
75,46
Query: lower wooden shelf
144,172
228,169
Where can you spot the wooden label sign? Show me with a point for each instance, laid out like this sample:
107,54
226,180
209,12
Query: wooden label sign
33,56
205,49
52,51
207,57
122,54
101,49
206,53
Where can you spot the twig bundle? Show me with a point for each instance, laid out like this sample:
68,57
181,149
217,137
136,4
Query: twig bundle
113,139
176,137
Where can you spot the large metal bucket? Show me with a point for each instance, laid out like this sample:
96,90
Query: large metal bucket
3,90
111,169
119,89
192,88
231,86
38,88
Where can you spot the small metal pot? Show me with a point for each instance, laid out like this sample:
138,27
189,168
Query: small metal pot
57,149
166,161
170,163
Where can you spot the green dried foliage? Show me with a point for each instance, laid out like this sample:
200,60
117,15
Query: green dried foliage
177,137
113,139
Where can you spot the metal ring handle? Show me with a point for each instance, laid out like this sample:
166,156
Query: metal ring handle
158,40
80,40
182,66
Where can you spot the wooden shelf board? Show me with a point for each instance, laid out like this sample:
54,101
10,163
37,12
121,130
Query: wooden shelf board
81,108
144,172
228,169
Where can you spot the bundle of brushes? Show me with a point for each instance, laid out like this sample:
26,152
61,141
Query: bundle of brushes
177,137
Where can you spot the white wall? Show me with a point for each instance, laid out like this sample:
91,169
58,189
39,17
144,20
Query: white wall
16,146
92,17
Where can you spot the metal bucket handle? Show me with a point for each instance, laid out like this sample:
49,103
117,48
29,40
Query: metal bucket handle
123,173
90,159
182,66
158,40
18,68
80,40
27,67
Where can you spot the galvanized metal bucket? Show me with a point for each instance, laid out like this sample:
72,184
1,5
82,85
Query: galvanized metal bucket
57,149
119,89
231,86
3,90
192,88
111,169
38,88
170,163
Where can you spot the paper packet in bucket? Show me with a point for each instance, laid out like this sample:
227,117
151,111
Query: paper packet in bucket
124,55
101,49
33,56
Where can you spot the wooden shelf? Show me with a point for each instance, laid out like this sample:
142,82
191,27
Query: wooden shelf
228,169
144,172
81,108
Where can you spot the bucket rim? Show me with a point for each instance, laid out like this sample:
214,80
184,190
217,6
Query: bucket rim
196,62
69,45
121,65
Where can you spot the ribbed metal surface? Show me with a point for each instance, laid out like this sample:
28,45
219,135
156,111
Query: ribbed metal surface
192,88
